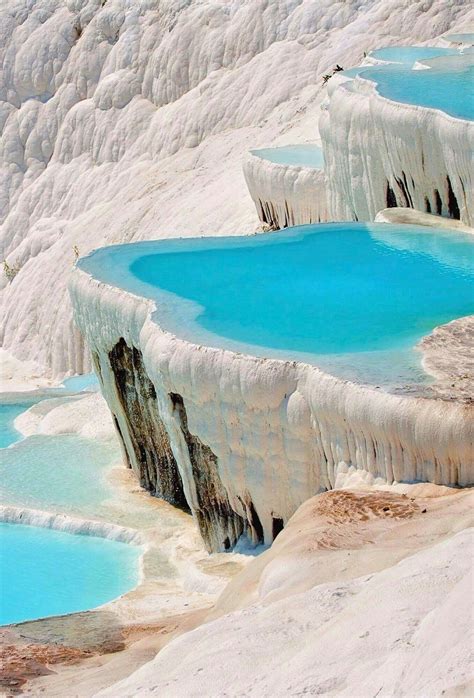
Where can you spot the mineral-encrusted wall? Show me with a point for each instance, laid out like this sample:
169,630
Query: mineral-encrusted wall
254,438
382,154
285,195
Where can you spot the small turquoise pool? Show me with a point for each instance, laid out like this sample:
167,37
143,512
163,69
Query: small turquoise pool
351,297
444,86
64,472
301,155
411,54
47,572
446,83
8,413
467,39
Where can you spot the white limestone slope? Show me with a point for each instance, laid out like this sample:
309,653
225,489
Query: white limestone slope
280,431
127,119
285,194
377,150
364,594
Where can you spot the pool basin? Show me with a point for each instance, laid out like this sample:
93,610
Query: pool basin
352,298
298,155
45,572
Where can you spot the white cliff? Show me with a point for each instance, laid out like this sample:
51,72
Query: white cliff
128,120
243,441
382,153
285,195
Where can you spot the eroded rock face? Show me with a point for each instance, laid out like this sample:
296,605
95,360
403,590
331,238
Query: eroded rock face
219,524
152,456
286,195
374,162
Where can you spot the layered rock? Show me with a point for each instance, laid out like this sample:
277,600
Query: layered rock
285,195
253,438
380,153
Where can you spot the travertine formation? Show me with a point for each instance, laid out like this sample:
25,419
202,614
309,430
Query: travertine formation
127,121
380,153
286,194
254,438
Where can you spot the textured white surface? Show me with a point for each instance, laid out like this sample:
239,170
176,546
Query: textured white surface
372,143
128,120
286,194
281,431
351,601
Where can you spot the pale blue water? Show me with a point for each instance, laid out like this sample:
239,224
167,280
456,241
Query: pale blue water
51,572
8,413
444,87
77,384
302,155
411,54
12,407
460,38
65,472
350,297
447,85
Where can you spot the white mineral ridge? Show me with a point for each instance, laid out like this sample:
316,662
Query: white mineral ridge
286,194
126,120
355,609
86,415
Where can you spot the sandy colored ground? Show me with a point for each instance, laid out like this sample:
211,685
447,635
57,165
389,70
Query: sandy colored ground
339,536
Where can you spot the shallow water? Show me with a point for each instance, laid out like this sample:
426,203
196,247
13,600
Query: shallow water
47,572
411,54
302,155
64,472
341,295
443,87
8,413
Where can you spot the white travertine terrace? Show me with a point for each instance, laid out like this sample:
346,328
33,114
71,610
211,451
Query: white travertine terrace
383,153
286,195
253,438
126,121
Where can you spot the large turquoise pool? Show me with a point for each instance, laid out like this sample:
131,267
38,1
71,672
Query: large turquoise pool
300,155
353,298
445,83
51,572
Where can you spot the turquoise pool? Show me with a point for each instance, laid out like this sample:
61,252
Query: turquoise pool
64,472
446,83
443,86
411,54
51,572
301,155
352,298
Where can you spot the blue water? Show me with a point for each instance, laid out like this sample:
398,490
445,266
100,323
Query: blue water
8,413
448,85
411,54
51,572
444,87
460,38
301,155
64,472
77,384
336,290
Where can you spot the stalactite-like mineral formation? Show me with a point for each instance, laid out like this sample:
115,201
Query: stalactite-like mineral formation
286,195
250,439
380,153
